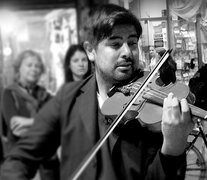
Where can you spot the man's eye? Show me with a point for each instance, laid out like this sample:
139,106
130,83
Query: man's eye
116,45
132,43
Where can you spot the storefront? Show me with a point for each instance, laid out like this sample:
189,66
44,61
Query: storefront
174,25
185,18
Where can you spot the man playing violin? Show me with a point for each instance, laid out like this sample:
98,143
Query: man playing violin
73,118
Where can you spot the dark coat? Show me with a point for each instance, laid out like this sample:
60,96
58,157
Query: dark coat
70,119
198,86
17,102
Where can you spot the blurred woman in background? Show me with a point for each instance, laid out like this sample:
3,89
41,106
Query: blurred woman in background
20,103
153,58
76,65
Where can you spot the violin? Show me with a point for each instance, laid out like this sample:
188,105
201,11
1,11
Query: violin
148,107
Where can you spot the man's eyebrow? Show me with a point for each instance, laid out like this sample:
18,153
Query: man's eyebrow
134,36
119,37
115,37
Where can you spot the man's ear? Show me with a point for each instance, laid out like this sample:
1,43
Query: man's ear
89,50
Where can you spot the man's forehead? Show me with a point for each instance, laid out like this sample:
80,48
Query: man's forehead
123,30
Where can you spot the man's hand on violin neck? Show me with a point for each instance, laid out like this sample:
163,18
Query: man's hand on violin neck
176,125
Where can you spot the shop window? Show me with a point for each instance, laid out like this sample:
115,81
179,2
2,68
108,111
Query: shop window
185,48
203,32
154,34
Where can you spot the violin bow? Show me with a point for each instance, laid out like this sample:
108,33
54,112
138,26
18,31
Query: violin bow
116,121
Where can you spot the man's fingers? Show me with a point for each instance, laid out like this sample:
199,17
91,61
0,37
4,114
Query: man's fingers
20,132
176,108
14,124
167,101
185,110
184,105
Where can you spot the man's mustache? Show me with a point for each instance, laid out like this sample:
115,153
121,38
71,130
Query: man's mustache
125,62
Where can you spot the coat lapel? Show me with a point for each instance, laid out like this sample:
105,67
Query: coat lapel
89,114
19,91
89,106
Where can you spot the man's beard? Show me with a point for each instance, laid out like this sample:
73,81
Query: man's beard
116,80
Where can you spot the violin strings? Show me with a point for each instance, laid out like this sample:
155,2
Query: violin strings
161,95
197,110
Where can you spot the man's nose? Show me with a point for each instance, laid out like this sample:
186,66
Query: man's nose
126,51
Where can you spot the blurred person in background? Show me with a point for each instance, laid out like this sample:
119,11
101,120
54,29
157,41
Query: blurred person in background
198,85
20,102
1,146
153,58
167,76
167,72
1,152
76,65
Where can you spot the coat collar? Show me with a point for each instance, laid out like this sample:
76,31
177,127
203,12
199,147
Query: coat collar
19,90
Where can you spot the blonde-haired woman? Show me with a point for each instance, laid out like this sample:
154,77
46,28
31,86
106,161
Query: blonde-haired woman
21,101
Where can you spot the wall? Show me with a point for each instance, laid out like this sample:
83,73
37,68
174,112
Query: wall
152,8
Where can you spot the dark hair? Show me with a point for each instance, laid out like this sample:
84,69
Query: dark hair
192,65
168,69
22,56
70,52
105,17
160,50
